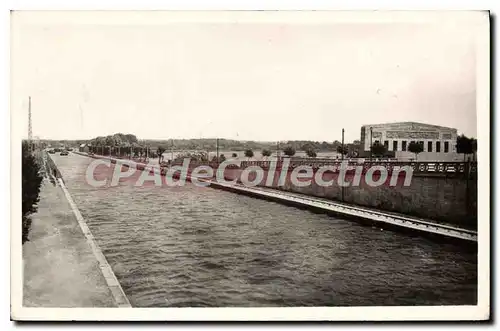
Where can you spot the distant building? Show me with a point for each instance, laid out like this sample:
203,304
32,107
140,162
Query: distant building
439,142
84,148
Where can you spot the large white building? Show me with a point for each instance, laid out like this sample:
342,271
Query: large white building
439,142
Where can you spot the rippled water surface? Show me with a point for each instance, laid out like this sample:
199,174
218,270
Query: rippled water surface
192,246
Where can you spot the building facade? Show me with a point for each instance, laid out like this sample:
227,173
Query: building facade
438,142
84,148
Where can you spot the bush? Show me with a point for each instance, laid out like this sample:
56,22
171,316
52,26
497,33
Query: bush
415,148
249,153
342,150
195,157
289,151
32,181
311,153
378,149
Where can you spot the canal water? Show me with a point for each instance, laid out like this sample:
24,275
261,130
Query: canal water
193,246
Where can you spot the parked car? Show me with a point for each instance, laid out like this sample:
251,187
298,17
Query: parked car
64,153
51,151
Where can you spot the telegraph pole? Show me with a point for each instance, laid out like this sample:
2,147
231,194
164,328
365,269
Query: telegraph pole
342,144
342,164
172,151
30,130
371,142
217,148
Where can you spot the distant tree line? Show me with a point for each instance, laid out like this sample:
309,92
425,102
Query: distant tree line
205,143
466,146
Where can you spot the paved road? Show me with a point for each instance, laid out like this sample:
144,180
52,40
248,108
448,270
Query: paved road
60,269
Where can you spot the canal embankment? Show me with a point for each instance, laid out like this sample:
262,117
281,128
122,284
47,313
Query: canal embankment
63,266
365,215
445,192
445,197
191,246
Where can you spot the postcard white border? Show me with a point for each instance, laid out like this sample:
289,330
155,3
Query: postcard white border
481,311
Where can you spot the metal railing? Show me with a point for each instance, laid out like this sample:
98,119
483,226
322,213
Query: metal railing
417,167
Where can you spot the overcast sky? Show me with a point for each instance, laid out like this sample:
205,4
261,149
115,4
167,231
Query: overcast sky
238,80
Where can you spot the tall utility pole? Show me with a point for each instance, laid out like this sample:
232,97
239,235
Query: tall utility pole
30,130
172,150
217,148
371,142
277,151
342,144
342,188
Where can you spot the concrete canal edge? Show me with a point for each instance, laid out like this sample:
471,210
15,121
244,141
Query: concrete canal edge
110,277
369,217
112,282
391,221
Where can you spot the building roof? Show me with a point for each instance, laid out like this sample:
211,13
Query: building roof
414,125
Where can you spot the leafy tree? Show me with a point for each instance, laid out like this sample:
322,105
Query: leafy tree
234,155
117,137
32,181
289,151
266,153
131,138
466,145
159,151
109,141
474,147
148,151
199,157
136,149
354,148
249,153
342,150
222,158
416,148
308,146
311,153
335,144
378,149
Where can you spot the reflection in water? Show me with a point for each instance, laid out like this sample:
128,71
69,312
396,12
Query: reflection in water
193,246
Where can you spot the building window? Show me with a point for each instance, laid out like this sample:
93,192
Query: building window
446,146
395,145
429,146
438,146
403,147
386,144
421,143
